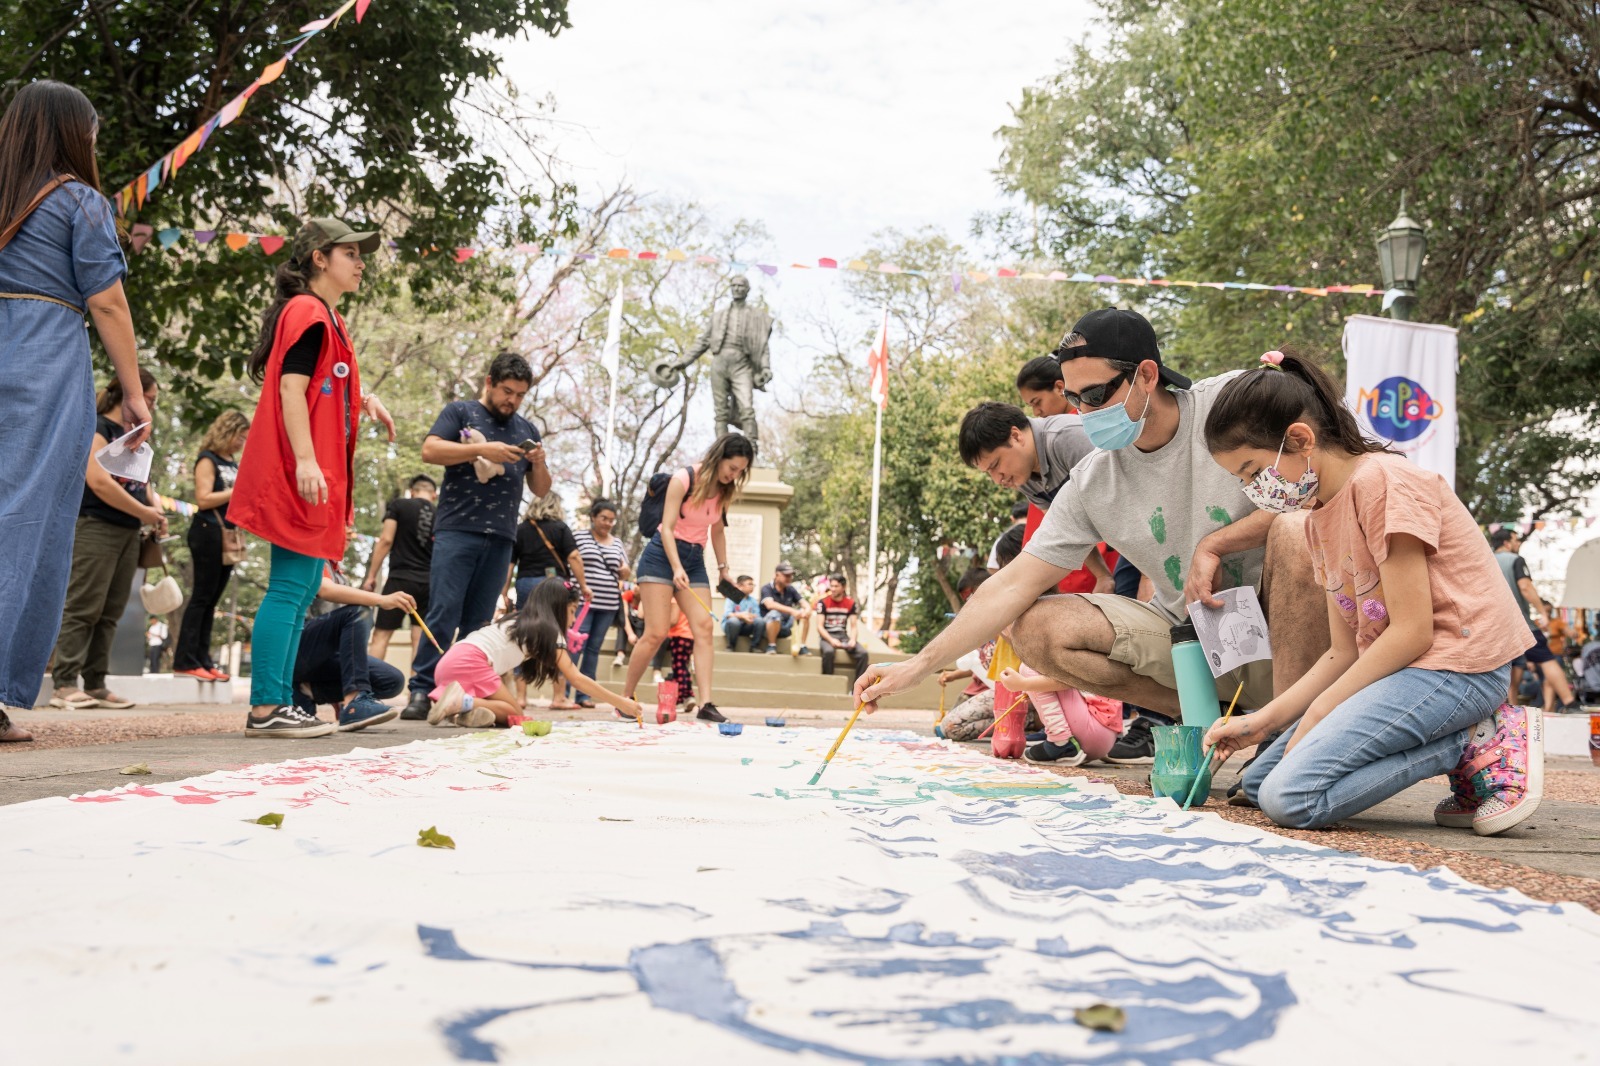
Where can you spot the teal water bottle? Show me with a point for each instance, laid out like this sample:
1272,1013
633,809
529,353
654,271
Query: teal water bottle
1197,689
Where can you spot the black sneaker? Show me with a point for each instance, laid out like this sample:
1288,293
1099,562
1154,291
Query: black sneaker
288,722
417,709
366,709
1575,707
1136,747
708,713
805,649
772,649
1068,754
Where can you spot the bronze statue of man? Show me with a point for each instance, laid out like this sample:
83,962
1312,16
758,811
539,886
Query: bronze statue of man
737,338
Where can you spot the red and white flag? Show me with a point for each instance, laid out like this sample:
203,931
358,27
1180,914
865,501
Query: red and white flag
878,365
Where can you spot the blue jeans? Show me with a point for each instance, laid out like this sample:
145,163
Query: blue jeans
292,585
785,622
524,588
469,569
1401,729
333,660
733,629
596,624
46,424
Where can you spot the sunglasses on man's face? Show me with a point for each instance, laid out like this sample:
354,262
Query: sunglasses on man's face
1097,395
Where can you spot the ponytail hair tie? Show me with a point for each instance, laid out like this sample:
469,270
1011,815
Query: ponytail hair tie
1272,360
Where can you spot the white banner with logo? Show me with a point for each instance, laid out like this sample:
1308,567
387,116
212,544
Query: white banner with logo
1401,383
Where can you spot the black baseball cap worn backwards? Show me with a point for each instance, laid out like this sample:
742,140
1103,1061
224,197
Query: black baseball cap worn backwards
1121,335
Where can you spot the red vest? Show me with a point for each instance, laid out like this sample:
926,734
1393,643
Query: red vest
265,500
1080,580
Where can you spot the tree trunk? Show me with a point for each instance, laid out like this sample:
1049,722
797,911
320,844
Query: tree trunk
942,575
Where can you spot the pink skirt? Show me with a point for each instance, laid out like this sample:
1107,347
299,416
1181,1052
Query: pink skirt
469,666
1094,721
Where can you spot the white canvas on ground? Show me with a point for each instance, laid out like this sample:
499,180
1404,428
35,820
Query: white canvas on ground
673,895
1401,382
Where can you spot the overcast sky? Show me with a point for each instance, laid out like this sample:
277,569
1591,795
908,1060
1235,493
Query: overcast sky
826,121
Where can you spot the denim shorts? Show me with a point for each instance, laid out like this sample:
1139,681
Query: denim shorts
654,569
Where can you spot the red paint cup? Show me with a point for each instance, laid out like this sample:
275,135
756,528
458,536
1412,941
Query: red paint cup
666,702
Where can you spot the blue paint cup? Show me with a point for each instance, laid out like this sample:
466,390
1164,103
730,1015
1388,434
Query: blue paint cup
730,729
776,723
1180,757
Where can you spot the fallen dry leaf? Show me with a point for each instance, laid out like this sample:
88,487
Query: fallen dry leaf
137,769
432,838
1101,1016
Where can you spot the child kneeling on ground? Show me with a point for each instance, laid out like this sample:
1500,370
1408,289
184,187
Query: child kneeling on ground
1423,633
471,691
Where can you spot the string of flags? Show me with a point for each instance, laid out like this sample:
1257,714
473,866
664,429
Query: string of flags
136,191
1570,524
271,244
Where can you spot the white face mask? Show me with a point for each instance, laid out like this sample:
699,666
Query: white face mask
1271,491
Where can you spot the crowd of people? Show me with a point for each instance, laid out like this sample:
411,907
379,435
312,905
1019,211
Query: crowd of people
1400,635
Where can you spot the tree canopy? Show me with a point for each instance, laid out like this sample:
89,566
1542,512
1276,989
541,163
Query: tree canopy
382,123
1265,140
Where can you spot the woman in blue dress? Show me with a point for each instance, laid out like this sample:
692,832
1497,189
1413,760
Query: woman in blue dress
60,261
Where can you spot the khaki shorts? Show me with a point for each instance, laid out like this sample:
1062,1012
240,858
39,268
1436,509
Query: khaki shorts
1144,645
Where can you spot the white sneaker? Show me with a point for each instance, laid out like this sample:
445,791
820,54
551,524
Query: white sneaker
448,705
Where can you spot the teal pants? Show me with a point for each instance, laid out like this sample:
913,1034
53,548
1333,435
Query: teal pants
292,584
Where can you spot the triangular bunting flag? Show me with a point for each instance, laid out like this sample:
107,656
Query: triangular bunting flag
270,245
237,241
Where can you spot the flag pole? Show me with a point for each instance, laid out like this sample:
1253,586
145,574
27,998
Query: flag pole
611,359
880,378
872,535
608,471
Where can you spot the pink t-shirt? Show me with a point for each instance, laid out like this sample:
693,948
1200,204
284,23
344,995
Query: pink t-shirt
1476,624
695,519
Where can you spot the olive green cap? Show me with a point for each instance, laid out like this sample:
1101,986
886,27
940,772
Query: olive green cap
321,232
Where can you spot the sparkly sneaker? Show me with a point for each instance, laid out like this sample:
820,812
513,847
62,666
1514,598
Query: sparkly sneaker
286,722
1508,776
1456,811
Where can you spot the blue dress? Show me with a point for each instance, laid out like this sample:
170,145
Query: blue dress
67,249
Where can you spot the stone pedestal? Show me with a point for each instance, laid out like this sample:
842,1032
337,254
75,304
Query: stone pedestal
753,526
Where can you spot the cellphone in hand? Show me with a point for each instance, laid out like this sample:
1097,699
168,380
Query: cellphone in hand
528,445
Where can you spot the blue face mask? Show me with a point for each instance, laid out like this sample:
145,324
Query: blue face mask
1110,429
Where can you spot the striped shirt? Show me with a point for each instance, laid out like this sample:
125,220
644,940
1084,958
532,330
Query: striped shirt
601,563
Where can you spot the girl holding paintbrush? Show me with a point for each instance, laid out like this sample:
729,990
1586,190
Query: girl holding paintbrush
472,691
1424,627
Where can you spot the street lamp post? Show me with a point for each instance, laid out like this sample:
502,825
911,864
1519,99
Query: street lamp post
1400,250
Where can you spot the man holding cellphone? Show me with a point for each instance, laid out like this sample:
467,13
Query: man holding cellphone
489,452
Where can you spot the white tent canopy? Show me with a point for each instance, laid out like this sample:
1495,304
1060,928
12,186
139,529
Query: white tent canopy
1583,577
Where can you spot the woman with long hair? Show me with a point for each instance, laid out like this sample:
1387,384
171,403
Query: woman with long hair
295,484
60,259
672,566
105,554
214,472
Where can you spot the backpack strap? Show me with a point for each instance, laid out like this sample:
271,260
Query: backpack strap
16,224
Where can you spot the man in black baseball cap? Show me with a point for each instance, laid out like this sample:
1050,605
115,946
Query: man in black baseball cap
1120,336
1152,491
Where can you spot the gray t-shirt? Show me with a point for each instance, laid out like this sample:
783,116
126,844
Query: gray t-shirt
1153,507
1061,444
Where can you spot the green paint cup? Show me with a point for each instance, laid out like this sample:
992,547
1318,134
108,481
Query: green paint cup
1180,756
536,729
